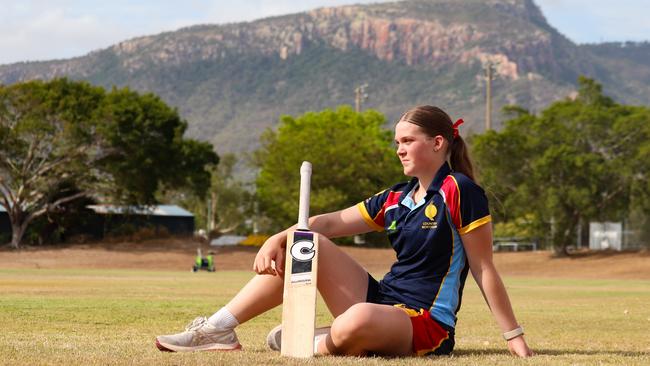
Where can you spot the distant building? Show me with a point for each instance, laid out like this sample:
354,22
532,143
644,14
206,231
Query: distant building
100,220
5,225
227,240
174,219
606,235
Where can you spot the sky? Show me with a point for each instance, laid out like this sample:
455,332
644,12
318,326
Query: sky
33,30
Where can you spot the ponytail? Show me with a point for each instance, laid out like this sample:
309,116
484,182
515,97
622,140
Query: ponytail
459,157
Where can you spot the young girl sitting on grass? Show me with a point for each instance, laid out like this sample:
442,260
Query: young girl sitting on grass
439,225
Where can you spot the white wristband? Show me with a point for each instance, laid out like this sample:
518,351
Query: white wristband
513,333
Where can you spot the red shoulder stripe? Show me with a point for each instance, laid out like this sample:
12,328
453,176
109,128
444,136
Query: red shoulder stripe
392,199
452,199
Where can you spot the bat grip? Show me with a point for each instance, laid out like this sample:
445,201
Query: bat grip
303,206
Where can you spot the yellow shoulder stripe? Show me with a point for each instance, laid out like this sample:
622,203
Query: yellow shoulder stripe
480,222
367,218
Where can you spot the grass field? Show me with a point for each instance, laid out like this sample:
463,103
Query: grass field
112,316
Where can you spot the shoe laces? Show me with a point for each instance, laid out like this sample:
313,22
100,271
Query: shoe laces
196,324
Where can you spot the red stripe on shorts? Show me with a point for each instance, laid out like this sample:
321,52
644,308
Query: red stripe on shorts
428,335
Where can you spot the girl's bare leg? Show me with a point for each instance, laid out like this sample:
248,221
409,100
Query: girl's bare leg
359,327
366,327
341,281
260,294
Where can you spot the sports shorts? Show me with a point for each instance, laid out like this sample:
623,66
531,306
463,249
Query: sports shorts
430,337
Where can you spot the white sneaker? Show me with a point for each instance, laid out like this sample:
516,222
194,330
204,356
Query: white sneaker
199,335
274,338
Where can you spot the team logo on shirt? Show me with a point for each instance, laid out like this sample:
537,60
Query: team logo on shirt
430,212
392,227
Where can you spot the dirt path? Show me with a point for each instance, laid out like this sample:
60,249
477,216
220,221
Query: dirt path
178,254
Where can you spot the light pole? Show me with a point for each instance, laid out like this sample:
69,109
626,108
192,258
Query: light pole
489,75
360,96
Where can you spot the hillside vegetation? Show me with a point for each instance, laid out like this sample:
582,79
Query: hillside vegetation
233,81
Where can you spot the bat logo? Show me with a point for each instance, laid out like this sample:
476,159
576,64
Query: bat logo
303,250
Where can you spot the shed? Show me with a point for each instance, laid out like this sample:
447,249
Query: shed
605,235
174,219
102,219
5,224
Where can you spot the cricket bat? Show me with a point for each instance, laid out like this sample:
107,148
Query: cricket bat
301,267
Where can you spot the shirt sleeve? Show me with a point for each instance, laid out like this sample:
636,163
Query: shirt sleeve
474,210
467,203
372,210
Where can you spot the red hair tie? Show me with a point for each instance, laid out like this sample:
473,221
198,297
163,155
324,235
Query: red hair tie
458,123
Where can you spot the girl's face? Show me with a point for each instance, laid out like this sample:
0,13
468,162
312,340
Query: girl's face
419,153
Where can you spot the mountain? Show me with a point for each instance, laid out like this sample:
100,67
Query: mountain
232,81
624,69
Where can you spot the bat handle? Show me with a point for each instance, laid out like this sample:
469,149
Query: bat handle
303,208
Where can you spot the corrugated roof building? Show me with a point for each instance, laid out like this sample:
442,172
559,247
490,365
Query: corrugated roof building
105,219
5,226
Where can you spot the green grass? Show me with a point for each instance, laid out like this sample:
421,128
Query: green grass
112,316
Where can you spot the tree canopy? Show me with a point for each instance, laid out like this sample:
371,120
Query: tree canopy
351,154
142,134
581,159
119,146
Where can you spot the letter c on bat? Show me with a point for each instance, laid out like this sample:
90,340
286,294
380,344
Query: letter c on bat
303,250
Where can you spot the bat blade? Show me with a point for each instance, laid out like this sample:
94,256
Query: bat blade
299,301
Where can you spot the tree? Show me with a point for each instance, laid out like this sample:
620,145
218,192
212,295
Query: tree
227,204
44,140
141,134
352,157
63,140
580,159
229,200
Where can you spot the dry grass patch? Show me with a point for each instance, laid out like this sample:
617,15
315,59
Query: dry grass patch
59,316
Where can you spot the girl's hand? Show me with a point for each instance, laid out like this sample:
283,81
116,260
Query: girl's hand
270,258
518,347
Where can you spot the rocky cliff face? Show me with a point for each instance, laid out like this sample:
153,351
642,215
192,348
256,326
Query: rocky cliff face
229,80
392,32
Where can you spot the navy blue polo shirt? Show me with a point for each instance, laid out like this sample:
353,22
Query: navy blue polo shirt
431,265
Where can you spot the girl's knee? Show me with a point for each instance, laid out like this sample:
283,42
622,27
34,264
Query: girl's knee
354,323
